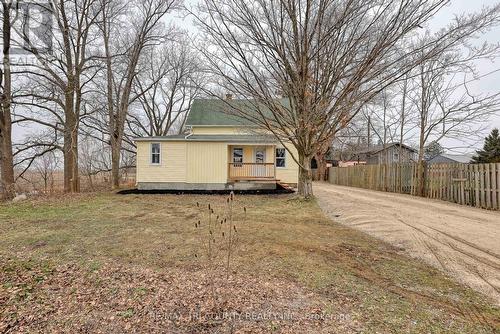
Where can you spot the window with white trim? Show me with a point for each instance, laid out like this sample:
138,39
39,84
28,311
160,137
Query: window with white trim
155,153
237,156
280,157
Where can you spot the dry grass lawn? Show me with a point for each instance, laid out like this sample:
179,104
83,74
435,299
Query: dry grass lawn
112,264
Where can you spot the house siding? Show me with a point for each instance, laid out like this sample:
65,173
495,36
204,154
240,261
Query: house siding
289,174
390,155
198,163
172,167
207,162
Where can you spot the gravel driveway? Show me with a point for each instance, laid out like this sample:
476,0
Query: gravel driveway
460,240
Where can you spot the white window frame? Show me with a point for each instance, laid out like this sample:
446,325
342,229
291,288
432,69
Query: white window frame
151,154
237,164
264,156
276,157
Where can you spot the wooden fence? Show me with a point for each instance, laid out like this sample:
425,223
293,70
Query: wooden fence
467,184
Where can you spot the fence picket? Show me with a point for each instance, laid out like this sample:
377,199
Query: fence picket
475,185
477,199
487,189
498,184
494,202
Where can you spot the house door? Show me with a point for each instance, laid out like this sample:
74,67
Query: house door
260,159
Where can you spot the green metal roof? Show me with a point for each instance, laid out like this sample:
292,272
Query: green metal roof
214,138
222,112
256,138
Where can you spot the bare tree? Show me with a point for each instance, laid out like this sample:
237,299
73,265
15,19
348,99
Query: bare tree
146,30
406,115
384,119
94,159
34,147
45,166
353,138
174,76
446,107
58,79
327,57
390,116
7,182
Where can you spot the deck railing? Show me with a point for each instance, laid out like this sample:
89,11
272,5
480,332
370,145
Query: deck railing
251,171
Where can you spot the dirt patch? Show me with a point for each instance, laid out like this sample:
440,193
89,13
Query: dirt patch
459,240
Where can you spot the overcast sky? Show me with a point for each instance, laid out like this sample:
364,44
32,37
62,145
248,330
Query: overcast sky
487,84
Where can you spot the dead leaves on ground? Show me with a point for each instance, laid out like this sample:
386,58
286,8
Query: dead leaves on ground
112,298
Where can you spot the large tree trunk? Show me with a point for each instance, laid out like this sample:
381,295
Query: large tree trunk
118,122
6,156
321,166
7,166
421,169
424,112
75,180
116,144
68,163
45,184
70,153
118,129
72,101
305,176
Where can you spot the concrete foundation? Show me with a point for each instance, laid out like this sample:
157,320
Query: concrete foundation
242,185
253,185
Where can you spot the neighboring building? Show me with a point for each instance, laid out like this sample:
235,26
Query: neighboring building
220,151
389,154
351,163
451,159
